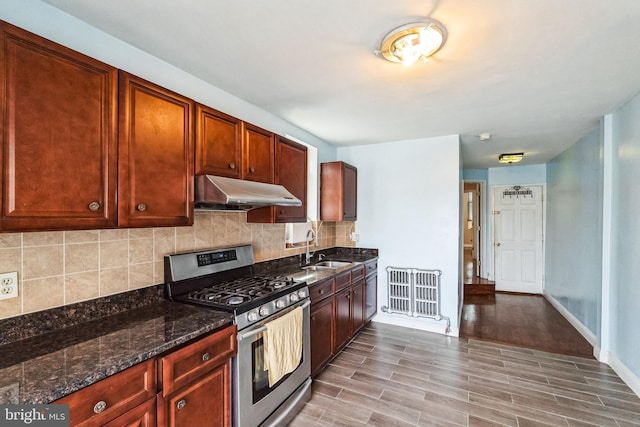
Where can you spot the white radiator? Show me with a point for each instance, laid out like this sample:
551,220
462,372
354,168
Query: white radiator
414,292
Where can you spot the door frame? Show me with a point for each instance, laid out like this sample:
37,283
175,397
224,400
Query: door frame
483,245
491,243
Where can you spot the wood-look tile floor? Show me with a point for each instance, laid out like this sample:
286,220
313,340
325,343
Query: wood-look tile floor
393,376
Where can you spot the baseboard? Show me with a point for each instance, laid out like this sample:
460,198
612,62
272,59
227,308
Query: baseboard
423,324
623,372
584,331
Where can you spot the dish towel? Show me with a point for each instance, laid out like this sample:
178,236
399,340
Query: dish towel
283,345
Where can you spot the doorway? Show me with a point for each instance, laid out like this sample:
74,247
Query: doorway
471,232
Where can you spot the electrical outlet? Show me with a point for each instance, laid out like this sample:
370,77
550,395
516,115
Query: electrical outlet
8,285
354,237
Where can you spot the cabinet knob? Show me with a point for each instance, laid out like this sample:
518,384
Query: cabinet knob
100,406
252,170
181,403
321,291
232,165
94,206
141,207
205,357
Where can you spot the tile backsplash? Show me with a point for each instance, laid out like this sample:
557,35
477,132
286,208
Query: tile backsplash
64,267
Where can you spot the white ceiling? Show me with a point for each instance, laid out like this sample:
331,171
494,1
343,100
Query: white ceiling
536,74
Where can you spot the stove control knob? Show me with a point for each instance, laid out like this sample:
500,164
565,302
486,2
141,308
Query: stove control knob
281,303
264,311
252,316
293,297
302,293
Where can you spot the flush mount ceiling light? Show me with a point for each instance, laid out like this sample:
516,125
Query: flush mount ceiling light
413,42
510,157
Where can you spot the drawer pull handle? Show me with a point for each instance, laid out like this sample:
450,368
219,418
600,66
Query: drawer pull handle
205,357
94,206
141,207
321,291
252,170
100,406
181,403
232,165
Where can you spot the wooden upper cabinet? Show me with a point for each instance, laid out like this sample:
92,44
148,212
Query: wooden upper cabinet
58,136
338,192
218,143
258,156
291,173
155,160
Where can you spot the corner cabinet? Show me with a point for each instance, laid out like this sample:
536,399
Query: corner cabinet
155,161
338,192
59,136
291,173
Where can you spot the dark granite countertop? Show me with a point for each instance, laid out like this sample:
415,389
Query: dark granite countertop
46,367
47,355
311,276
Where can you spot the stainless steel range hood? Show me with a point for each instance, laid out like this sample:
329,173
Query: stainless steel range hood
221,193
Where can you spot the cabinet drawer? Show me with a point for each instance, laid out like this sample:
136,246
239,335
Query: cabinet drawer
371,267
343,280
113,396
320,291
357,274
191,362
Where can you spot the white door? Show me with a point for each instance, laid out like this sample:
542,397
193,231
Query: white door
517,214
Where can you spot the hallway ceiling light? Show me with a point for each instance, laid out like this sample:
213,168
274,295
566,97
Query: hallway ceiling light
510,157
413,42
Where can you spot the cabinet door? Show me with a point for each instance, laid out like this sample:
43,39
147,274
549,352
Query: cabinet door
218,143
155,169
350,192
338,192
259,148
321,334
291,172
357,306
141,416
204,403
59,125
371,299
343,318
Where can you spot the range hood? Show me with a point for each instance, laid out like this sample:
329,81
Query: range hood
221,193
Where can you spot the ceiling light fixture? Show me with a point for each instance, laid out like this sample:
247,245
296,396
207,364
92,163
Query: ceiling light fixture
510,157
484,136
413,42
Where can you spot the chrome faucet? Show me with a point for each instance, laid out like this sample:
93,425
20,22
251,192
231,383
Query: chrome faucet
307,255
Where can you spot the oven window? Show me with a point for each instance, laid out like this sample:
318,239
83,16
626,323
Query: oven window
260,383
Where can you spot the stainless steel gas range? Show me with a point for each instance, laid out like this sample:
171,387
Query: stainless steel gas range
223,279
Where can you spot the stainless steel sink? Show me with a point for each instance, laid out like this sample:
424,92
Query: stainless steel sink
327,265
333,264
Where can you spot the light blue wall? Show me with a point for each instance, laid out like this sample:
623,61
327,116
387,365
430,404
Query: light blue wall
517,175
625,260
475,174
573,260
49,22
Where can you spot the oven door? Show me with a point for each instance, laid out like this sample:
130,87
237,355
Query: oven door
254,401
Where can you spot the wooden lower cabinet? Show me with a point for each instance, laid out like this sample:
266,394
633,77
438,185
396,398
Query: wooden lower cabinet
343,318
358,296
106,400
189,387
141,416
321,333
205,402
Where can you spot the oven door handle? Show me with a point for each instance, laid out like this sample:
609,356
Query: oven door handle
264,328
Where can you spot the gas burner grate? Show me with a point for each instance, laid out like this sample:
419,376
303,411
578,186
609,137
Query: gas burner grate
241,290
